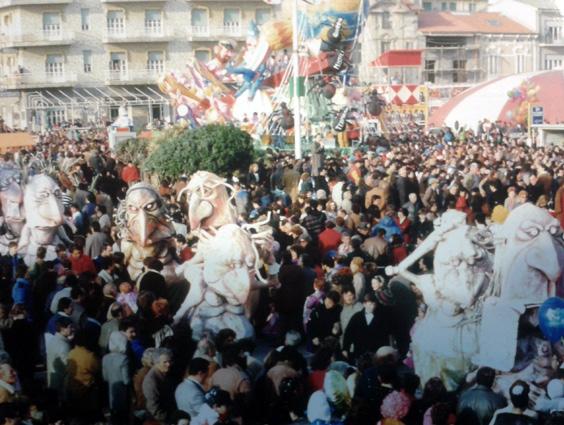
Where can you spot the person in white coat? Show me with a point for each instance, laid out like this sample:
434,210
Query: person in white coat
57,350
115,371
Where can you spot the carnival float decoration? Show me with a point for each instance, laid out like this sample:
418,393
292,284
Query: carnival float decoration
239,81
146,230
226,267
11,201
484,295
43,218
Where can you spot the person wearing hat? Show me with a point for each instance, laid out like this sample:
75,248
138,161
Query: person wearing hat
367,330
215,410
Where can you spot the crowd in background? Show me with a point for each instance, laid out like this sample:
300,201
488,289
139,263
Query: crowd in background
84,343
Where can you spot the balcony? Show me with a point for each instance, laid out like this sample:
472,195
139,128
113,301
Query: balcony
131,76
132,1
150,34
10,3
37,80
201,32
42,38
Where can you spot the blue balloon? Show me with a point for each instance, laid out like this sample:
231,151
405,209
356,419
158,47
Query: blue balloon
551,318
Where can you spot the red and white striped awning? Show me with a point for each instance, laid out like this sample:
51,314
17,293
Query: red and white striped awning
490,100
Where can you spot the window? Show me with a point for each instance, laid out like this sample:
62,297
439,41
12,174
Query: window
51,23
519,63
493,64
153,21
444,6
409,45
232,21
553,62
155,62
87,61
553,33
116,21
471,7
386,22
54,66
427,6
459,71
202,55
452,6
430,71
118,65
85,19
199,21
385,46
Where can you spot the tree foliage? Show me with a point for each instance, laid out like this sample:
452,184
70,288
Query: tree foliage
216,148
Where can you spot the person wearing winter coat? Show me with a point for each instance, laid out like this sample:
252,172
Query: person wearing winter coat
115,371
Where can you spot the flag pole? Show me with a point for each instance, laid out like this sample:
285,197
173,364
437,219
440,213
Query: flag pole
296,78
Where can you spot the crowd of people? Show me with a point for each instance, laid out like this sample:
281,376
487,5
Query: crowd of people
84,343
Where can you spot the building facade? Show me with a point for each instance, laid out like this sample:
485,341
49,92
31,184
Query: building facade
390,25
82,59
545,17
471,48
469,6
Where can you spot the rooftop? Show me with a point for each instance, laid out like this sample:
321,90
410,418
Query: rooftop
475,23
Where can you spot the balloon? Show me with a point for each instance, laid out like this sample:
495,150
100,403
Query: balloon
329,91
509,115
551,319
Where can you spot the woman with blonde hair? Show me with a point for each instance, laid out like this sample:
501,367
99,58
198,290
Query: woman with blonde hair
359,280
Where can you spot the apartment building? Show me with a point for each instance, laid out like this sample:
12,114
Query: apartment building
211,20
471,48
469,6
390,25
545,17
82,59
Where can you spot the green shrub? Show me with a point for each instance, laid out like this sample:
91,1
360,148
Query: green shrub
221,149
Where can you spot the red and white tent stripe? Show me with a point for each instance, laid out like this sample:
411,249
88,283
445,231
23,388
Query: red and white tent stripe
490,100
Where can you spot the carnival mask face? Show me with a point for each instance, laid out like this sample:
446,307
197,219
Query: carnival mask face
42,202
460,268
11,198
208,201
530,262
147,222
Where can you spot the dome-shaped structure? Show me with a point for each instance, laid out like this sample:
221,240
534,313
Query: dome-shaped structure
505,99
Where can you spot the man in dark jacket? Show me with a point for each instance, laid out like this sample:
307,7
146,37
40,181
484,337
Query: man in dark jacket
324,319
367,330
290,297
480,401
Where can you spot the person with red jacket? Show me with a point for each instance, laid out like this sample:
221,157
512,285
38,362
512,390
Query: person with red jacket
329,239
81,262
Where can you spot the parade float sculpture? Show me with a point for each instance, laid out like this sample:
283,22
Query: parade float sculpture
238,82
446,338
11,200
44,218
227,263
146,230
482,311
528,264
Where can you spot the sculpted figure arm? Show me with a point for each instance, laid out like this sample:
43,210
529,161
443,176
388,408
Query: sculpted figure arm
447,223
